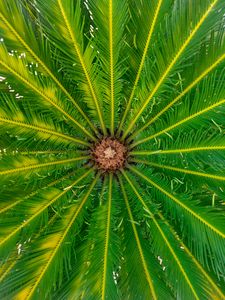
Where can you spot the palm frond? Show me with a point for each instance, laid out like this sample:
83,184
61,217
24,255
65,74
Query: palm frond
57,240
182,262
187,119
185,171
111,17
112,149
15,66
147,7
7,205
178,54
22,38
193,109
99,279
73,50
45,199
209,223
28,164
19,119
215,286
153,285
182,150
185,91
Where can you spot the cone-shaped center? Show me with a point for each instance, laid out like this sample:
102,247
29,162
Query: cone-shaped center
109,154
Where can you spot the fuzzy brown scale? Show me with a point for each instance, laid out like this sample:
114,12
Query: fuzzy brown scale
109,154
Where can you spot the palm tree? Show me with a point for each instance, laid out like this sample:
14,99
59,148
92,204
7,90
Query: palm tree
112,149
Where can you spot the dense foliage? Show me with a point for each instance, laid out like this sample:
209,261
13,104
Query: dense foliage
149,74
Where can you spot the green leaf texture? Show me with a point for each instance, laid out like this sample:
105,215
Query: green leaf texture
149,74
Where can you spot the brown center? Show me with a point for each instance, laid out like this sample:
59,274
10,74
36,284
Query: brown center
109,154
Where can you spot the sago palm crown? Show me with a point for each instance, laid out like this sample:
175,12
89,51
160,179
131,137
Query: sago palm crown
112,149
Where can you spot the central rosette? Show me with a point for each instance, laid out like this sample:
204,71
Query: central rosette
109,154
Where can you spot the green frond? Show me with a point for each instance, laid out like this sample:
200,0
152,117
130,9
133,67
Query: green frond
18,119
98,280
188,105
111,17
180,51
68,38
56,241
145,268
207,224
187,119
185,171
182,150
29,164
73,287
192,150
13,258
7,205
152,23
16,67
106,250
71,36
34,212
184,92
112,149
20,37
159,232
53,246
140,260
43,131
211,281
